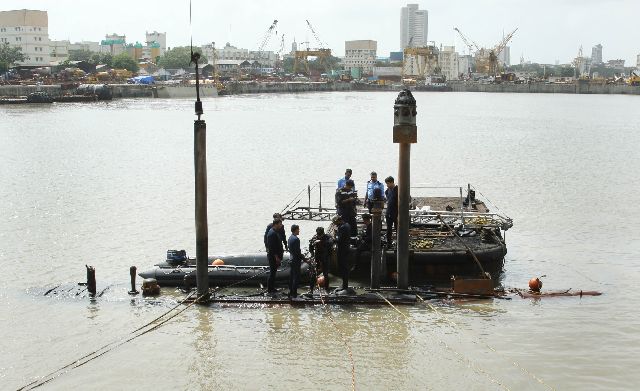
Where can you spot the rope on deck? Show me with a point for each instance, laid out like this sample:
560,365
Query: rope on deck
457,327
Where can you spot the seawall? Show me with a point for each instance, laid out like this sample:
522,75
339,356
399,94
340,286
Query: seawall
547,88
288,87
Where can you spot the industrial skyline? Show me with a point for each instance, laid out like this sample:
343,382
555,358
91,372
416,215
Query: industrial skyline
548,33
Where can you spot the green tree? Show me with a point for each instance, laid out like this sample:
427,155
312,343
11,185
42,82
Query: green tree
180,57
10,55
124,61
102,58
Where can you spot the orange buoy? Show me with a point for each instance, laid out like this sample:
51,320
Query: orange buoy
320,281
218,262
535,284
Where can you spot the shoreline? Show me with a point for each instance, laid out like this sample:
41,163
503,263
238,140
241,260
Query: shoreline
120,91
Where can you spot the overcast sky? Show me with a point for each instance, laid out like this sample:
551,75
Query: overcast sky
548,30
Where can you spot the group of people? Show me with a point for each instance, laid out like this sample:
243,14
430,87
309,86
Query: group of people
321,244
347,200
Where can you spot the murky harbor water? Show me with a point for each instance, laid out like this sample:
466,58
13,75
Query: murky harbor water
110,185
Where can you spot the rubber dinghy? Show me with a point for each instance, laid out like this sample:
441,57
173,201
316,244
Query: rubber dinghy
239,269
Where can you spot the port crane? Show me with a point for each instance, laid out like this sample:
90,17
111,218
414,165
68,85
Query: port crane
419,61
322,53
486,58
266,38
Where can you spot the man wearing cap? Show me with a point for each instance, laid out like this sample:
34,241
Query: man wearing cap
346,201
375,189
343,240
343,180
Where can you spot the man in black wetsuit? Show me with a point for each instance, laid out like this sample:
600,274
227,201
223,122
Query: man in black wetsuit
346,201
274,253
343,240
320,246
391,214
281,232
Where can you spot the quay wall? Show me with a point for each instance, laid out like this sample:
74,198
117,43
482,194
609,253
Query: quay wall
131,91
11,91
265,88
544,88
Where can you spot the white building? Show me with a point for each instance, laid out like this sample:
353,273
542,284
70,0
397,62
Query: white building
361,55
596,54
465,63
86,46
230,52
448,62
114,44
504,57
414,23
638,62
29,30
159,38
59,51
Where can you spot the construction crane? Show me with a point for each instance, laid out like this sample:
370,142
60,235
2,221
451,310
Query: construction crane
487,59
322,53
470,43
266,38
279,58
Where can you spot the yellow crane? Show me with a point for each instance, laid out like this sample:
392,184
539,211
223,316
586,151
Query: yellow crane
486,59
321,53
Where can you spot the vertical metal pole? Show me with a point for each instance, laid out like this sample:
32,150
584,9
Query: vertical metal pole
376,253
309,195
461,208
404,186
202,229
405,133
320,201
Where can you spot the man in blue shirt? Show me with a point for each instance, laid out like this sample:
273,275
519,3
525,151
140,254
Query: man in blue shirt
391,214
296,258
274,254
372,185
343,180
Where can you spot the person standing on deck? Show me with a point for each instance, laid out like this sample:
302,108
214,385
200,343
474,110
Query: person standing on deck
320,248
343,240
296,258
391,214
281,232
367,237
343,180
346,201
274,253
372,186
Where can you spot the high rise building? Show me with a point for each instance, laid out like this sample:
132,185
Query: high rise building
505,56
160,40
27,29
361,55
596,54
414,26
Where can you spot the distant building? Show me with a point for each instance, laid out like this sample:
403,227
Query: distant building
414,23
160,40
361,55
396,56
86,46
27,29
465,63
505,56
616,64
448,62
294,46
638,62
59,51
230,52
596,55
114,44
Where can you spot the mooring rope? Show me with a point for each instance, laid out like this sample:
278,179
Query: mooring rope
345,341
108,347
515,363
460,355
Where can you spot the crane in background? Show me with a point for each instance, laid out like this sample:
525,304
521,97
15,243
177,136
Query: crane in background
266,38
322,53
486,59
468,42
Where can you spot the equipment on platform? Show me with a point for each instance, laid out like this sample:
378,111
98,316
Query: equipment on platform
321,53
486,58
